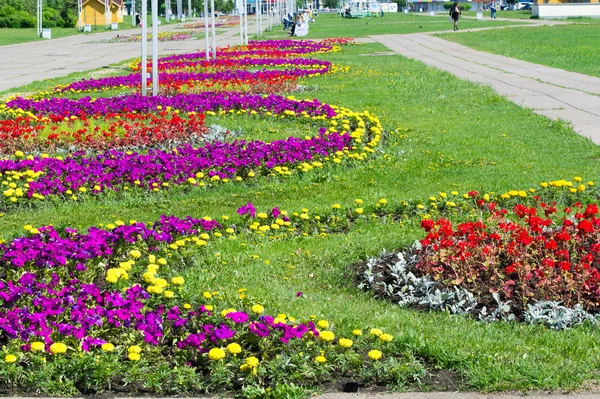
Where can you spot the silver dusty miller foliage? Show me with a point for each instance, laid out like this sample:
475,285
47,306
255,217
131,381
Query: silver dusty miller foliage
390,276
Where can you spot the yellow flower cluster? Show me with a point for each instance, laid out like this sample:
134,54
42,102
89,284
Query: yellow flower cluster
16,184
251,365
134,353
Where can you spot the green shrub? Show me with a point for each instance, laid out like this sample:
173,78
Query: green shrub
51,18
463,7
10,17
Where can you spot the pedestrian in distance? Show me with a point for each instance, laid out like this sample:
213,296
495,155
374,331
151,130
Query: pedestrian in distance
455,13
138,20
493,9
295,22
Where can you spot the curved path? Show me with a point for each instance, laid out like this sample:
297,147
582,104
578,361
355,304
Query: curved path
25,63
552,92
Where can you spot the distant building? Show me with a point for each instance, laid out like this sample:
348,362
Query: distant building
93,12
566,8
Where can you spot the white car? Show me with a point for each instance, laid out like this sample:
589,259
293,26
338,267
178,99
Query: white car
523,4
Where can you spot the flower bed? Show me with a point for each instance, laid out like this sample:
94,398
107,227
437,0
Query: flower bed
532,261
214,163
100,132
112,294
234,68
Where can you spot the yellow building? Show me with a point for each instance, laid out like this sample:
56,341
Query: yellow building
93,12
565,1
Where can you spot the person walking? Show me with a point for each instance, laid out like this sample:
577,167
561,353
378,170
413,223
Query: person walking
455,13
295,22
138,20
493,9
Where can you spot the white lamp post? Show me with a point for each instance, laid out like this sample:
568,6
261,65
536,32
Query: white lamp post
214,39
240,7
154,47
132,12
39,18
144,47
206,34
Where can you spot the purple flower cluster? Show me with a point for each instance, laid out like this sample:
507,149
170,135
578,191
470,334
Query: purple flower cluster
112,169
54,293
202,102
167,78
49,249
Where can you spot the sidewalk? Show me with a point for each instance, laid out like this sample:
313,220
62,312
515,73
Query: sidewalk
551,92
25,63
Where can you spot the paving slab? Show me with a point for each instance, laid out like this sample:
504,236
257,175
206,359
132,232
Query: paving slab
552,92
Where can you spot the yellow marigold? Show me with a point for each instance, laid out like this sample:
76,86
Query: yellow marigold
234,348
216,354
357,332
375,354
345,342
376,332
108,347
134,349
321,359
58,347
327,336
10,358
252,361
225,312
135,254
134,356
258,309
178,280
386,337
323,324
169,294
38,346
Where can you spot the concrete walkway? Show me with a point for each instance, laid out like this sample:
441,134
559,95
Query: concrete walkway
551,92
25,63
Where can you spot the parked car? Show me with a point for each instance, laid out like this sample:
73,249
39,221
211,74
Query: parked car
522,4
508,7
527,7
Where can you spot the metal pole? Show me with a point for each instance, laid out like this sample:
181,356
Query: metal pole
189,13
239,4
144,47
107,14
206,34
132,13
154,47
214,39
39,18
246,22
79,17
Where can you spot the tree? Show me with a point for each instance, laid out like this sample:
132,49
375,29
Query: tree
401,4
330,3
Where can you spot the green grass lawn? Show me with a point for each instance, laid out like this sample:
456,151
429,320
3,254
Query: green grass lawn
331,25
573,47
455,136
